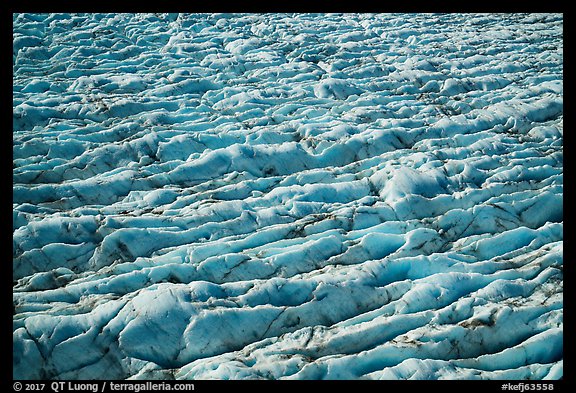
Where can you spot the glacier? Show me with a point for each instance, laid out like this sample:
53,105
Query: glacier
287,196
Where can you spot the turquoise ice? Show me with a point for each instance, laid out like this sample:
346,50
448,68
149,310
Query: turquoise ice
274,196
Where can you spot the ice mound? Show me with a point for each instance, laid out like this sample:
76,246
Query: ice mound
272,196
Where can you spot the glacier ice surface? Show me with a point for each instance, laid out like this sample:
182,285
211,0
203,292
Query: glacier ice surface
274,196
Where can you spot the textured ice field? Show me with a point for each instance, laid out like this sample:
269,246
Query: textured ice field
288,196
